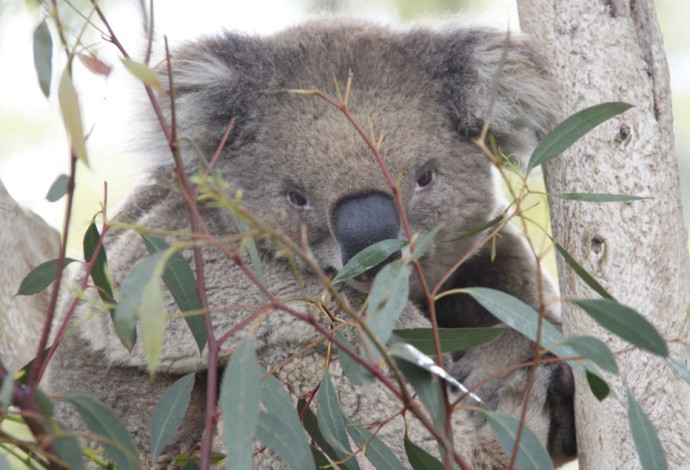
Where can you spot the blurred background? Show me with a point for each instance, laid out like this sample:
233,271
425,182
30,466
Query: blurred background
33,144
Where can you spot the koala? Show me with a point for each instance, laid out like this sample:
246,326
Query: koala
299,165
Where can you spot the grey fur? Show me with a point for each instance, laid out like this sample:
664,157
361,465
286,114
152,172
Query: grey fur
425,92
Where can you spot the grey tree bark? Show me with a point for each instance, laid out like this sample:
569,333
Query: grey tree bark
611,50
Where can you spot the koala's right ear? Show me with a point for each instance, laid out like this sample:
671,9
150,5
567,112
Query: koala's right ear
486,74
215,80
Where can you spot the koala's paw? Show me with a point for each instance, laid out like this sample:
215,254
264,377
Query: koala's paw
550,411
562,444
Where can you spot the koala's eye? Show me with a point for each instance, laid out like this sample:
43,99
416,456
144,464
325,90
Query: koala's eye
298,200
425,179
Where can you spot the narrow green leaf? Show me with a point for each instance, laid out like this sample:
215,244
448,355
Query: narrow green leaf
596,197
569,131
58,188
330,420
479,229
419,458
531,453
4,464
600,389
452,339
293,448
40,277
180,281
320,459
387,299
375,449
129,309
103,423
67,447
280,429
595,350
423,243
169,412
43,56
625,322
524,319
352,369
99,272
71,116
652,456
368,258
584,275
428,388
680,368
145,74
240,395
6,391
311,425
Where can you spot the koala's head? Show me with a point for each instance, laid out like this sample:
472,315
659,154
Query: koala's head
424,94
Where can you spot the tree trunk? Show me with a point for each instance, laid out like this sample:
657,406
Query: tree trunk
611,50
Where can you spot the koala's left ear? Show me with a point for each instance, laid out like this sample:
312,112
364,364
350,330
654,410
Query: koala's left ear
485,74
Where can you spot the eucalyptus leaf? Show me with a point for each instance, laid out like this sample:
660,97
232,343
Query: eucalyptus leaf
480,229
43,56
428,388
169,412
378,453
625,322
58,188
67,447
4,464
452,339
531,454
368,258
180,281
595,350
681,369
99,271
419,458
40,277
134,288
240,395
280,429
311,425
352,369
103,424
71,116
145,74
570,130
584,275
647,443
600,389
7,391
330,420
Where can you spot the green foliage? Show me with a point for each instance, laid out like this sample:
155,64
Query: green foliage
43,56
280,429
179,279
530,453
378,453
419,458
368,258
58,188
71,116
41,277
452,339
99,271
652,456
106,427
331,424
573,128
168,415
239,401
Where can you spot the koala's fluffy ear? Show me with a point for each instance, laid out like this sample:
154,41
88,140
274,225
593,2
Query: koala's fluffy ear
214,80
475,67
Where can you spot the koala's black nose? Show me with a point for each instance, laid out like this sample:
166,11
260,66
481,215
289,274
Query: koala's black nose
360,221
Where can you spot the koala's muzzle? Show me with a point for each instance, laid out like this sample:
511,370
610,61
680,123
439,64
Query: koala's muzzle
360,221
